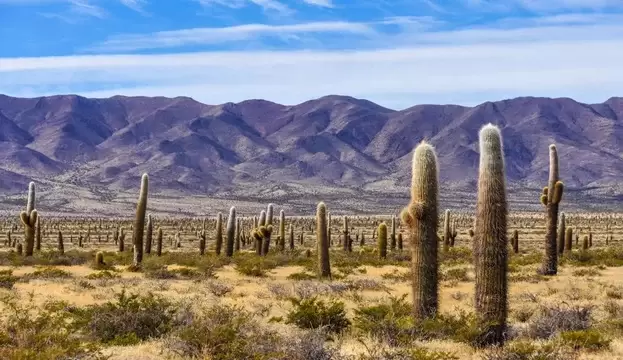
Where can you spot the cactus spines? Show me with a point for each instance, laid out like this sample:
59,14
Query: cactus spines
29,219
149,234
420,217
322,241
219,234
231,232
551,198
282,231
159,242
561,234
139,221
490,244
568,239
382,240
61,246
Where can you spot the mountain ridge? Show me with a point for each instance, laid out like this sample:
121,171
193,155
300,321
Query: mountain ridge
331,142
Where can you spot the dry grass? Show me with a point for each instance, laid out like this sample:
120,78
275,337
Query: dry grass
360,282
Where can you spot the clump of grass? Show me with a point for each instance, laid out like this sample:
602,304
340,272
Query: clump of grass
586,272
7,279
589,339
301,275
181,273
313,313
526,350
46,273
456,274
103,274
557,319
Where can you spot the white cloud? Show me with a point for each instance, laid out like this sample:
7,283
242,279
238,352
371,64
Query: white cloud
84,7
136,5
267,5
167,39
321,3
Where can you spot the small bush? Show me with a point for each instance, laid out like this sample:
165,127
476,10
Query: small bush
524,350
7,279
104,274
456,274
316,314
586,272
46,273
302,275
552,320
589,339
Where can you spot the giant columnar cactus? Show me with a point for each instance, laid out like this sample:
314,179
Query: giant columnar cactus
265,232
561,234
231,232
219,233
291,237
490,243
446,231
551,197
322,241
139,221
515,241
159,242
121,245
262,221
38,234
202,242
568,239
345,234
269,214
382,240
282,231
420,218
29,219
149,235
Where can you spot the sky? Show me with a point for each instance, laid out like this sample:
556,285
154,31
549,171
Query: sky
396,53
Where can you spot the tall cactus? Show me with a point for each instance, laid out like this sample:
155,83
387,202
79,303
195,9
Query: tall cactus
420,218
61,245
568,239
291,237
490,243
393,238
159,242
322,241
231,232
345,234
38,234
29,219
551,197
282,231
446,231
561,234
238,235
139,221
219,234
382,240
269,214
149,235
515,241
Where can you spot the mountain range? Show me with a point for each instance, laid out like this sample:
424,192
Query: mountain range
328,145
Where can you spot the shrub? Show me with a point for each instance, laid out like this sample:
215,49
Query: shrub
589,339
552,320
312,313
525,350
104,274
46,273
7,279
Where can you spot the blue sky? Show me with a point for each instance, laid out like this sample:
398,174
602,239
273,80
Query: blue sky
397,53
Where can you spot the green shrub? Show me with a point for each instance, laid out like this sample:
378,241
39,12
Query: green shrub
456,274
7,279
312,313
525,350
589,339
302,275
104,274
46,273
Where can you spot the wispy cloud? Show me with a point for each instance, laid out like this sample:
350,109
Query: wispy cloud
267,5
136,5
84,7
321,3
461,66
176,38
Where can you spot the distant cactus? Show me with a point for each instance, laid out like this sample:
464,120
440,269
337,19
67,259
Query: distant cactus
322,242
345,234
121,245
99,258
282,231
421,217
231,232
61,246
400,244
551,197
38,234
585,243
266,232
446,231
238,235
139,221
29,219
561,234
219,234
19,248
202,242
392,237
149,235
568,239
515,241
159,243
382,240
490,243
291,236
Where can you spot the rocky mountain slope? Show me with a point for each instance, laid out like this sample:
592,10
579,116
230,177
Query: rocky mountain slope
334,142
